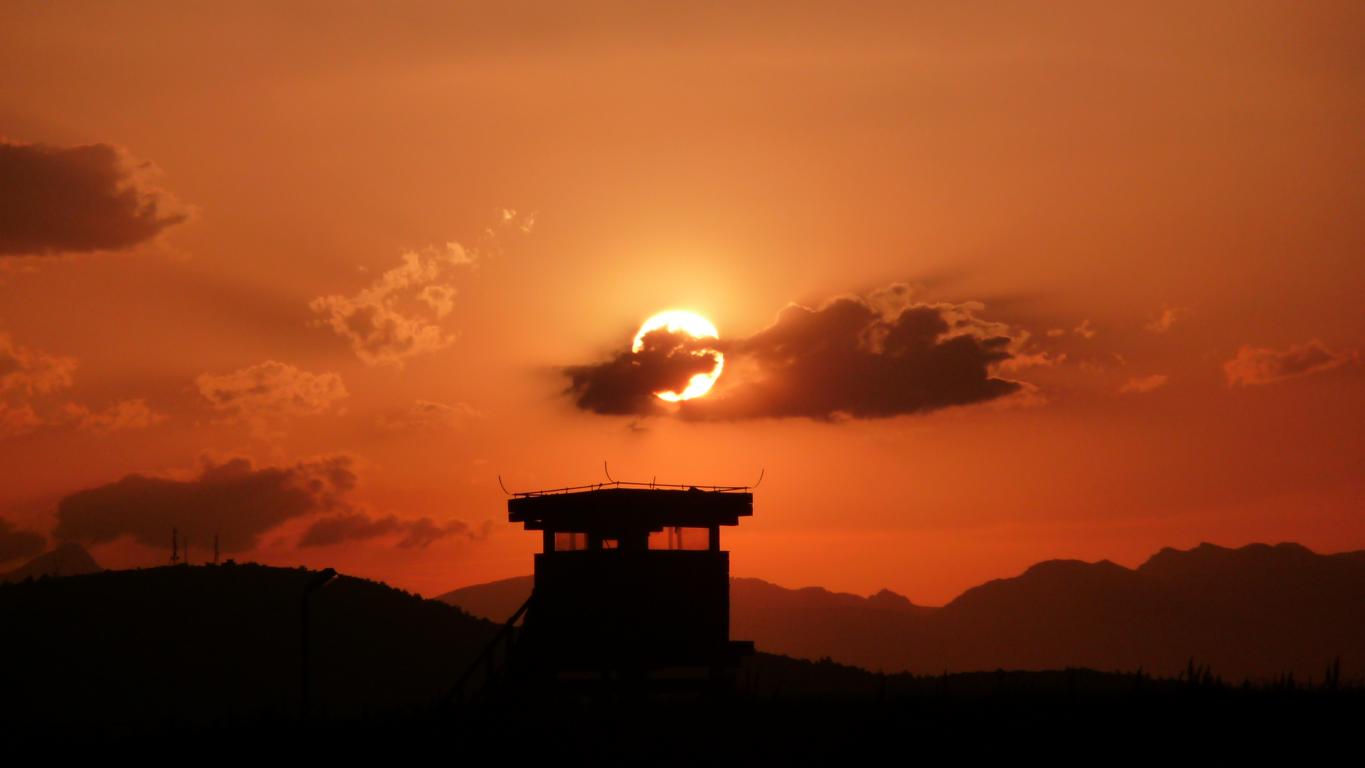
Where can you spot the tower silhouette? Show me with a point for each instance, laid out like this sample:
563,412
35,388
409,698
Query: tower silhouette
631,583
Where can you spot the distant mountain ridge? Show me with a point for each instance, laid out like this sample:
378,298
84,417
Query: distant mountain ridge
1256,611
65,560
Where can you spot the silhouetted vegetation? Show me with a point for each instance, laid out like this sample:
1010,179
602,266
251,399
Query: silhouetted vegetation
196,644
208,657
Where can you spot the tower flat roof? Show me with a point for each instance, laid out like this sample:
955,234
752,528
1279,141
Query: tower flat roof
616,506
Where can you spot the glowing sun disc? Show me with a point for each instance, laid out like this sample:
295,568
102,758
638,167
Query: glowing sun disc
696,326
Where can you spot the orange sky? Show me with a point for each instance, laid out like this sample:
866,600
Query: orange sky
1159,207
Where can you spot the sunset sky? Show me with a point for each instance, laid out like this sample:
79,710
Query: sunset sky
995,283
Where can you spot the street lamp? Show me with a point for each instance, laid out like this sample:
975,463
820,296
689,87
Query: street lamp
319,580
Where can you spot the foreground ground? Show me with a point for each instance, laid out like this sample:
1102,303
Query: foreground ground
207,660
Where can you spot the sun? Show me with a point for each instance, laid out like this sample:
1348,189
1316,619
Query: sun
696,326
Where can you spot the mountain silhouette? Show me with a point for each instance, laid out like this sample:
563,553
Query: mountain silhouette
1256,612
65,560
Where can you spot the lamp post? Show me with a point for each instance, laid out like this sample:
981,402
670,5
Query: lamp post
319,580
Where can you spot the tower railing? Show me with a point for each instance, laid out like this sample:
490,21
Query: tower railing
489,661
631,484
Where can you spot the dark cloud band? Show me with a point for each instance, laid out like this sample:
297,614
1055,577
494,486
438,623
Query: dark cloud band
626,384
16,543
358,526
70,199
231,500
853,357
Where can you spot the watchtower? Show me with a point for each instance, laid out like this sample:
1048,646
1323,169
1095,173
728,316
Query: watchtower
631,579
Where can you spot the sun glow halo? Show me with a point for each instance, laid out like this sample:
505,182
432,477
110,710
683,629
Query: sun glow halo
696,326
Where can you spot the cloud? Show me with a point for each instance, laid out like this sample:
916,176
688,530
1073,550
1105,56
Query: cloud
394,318
423,532
16,543
626,383
1144,384
1167,320
1265,365
28,371
28,375
853,357
1083,330
1023,354
359,526
86,198
441,298
268,392
231,499
429,415
18,419
352,526
24,374
508,217
125,414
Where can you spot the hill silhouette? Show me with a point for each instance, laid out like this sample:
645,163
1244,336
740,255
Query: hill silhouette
195,644
1256,612
67,559
207,657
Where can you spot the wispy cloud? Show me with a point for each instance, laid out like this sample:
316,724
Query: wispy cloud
1253,366
267,393
430,415
32,372
1167,320
397,316
1139,385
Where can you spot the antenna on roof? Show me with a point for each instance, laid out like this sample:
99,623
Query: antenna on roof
760,478
503,487
175,545
608,474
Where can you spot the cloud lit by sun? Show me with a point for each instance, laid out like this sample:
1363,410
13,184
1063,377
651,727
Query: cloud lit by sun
696,326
